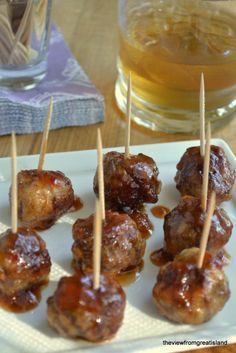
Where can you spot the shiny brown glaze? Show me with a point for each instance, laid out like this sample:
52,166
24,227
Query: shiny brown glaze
189,176
43,197
160,257
122,244
183,227
24,268
143,222
22,301
190,256
77,204
188,295
160,211
77,310
129,182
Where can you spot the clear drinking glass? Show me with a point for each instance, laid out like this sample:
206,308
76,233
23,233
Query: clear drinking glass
166,45
24,37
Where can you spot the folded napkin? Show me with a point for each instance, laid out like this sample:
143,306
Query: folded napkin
76,100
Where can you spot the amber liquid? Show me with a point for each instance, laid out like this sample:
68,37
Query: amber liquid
167,47
160,211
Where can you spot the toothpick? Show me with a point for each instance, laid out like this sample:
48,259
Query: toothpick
45,136
97,229
13,185
21,28
100,173
128,117
202,116
206,167
206,229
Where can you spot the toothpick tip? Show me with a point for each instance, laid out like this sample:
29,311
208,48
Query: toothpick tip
100,173
128,116
14,185
46,130
202,115
98,132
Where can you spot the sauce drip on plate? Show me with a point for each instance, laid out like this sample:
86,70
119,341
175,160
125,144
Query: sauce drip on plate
160,211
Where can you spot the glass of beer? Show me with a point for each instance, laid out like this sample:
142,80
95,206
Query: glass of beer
166,45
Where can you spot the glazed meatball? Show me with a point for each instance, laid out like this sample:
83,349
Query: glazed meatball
189,176
183,227
43,197
129,182
78,310
188,295
122,244
24,267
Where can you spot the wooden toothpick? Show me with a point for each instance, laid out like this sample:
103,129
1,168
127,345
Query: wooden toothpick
202,116
128,117
206,229
21,28
97,238
45,136
14,185
100,173
206,167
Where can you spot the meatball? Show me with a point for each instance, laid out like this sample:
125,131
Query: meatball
24,267
78,310
189,176
188,295
183,227
129,182
122,244
43,197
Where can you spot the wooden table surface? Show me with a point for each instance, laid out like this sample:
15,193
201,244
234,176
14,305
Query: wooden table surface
90,29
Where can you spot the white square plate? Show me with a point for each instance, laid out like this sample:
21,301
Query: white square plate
143,329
